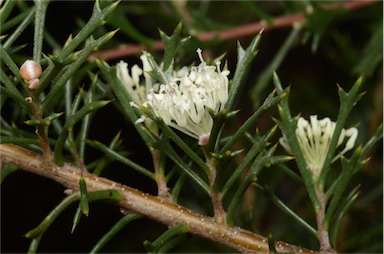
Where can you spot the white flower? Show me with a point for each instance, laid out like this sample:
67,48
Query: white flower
184,100
131,82
314,140
183,103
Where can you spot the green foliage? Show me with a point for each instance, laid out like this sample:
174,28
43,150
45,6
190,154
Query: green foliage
38,232
166,241
115,229
242,177
171,45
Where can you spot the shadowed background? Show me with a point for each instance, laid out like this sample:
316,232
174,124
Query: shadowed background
347,47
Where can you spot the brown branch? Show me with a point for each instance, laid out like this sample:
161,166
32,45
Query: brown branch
325,245
157,208
231,33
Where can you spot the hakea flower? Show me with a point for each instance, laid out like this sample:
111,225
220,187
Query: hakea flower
182,102
131,82
315,138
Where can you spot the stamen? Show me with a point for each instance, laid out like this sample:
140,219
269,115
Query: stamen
314,140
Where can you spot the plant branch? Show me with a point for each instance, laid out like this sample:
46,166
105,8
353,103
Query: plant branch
158,164
219,213
153,207
231,33
323,234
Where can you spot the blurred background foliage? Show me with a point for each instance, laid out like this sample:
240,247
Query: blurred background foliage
332,47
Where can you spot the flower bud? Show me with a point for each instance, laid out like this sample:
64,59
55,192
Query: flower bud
31,71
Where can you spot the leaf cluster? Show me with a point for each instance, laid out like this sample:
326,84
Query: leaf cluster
251,172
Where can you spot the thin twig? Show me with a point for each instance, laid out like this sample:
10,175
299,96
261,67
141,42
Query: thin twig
153,207
323,234
162,188
231,33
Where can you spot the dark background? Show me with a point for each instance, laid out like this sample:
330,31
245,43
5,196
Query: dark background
26,198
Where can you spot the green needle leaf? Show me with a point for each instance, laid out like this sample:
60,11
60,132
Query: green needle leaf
6,10
6,58
378,135
263,161
349,168
70,122
168,235
344,207
171,45
96,20
259,144
19,30
40,229
76,218
56,90
266,75
269,102
37,232
347,102
271,243
266,191
121,21
41,9
113,154
372,54
44,122
169,151
114,230
288,128
84,197
177,187
18,140
10,90
244,58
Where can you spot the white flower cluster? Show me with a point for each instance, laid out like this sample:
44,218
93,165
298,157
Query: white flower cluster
182,102
314,140
132,83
